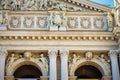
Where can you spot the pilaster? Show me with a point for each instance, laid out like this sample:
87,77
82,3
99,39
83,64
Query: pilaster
64,64
3,54
72,77
114,64
53,70
106,78
44,78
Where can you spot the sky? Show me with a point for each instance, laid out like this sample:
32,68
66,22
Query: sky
108,2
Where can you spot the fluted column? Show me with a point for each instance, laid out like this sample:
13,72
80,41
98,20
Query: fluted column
53,70
114,64
3,54
64,64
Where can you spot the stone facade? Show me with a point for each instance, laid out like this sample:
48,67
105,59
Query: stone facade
59,40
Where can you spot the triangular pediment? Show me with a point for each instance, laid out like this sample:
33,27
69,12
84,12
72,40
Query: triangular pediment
62,5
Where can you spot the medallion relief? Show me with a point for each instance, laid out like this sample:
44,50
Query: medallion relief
72,22
42,22
15,22
98,23
28,22
85,22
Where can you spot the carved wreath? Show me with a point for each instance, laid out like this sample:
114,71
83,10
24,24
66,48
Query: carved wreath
85,23
72,22
15,22
98,23
28,22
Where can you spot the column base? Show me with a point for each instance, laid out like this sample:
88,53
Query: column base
106,78
44,78
9,78
72,77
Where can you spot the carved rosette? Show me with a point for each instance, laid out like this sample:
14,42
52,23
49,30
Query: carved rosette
72,22
85,22
28,22
15,22
42,22
98,23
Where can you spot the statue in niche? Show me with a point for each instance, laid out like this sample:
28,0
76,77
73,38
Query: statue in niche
110,20
11,59
44,61
89,55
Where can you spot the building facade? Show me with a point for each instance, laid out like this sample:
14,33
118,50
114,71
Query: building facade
59,40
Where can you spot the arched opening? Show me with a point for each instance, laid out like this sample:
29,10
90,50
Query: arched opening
27,71
88,72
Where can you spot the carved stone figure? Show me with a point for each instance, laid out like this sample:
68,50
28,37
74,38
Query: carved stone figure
3,18
88,55
11,59
30,5
27,55
15,4
57,19
110,19
44,62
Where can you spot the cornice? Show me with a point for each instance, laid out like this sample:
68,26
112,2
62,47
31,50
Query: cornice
91,5
49,35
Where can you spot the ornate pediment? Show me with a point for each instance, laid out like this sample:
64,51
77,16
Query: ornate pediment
62,5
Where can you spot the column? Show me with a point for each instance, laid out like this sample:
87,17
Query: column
114,64
64,64
3,54
53,70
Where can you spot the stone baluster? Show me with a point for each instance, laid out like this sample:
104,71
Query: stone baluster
64,64
114,64
3,54
53,70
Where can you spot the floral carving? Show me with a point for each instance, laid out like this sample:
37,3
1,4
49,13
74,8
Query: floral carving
15,22
72,22
28,22
42,22
85,23
98,23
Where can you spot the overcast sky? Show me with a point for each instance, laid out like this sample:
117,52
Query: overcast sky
108,2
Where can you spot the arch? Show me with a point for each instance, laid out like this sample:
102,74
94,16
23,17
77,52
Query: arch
103,68
20,62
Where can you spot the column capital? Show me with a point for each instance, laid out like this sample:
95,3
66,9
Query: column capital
3,52
64,53
113,53
52,53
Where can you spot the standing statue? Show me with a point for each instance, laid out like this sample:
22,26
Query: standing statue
110,20
117,12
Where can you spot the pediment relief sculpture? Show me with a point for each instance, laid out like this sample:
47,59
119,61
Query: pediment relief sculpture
62,5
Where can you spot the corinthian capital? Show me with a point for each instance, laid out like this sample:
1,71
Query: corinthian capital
64,53
113,53
52,53
3,52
